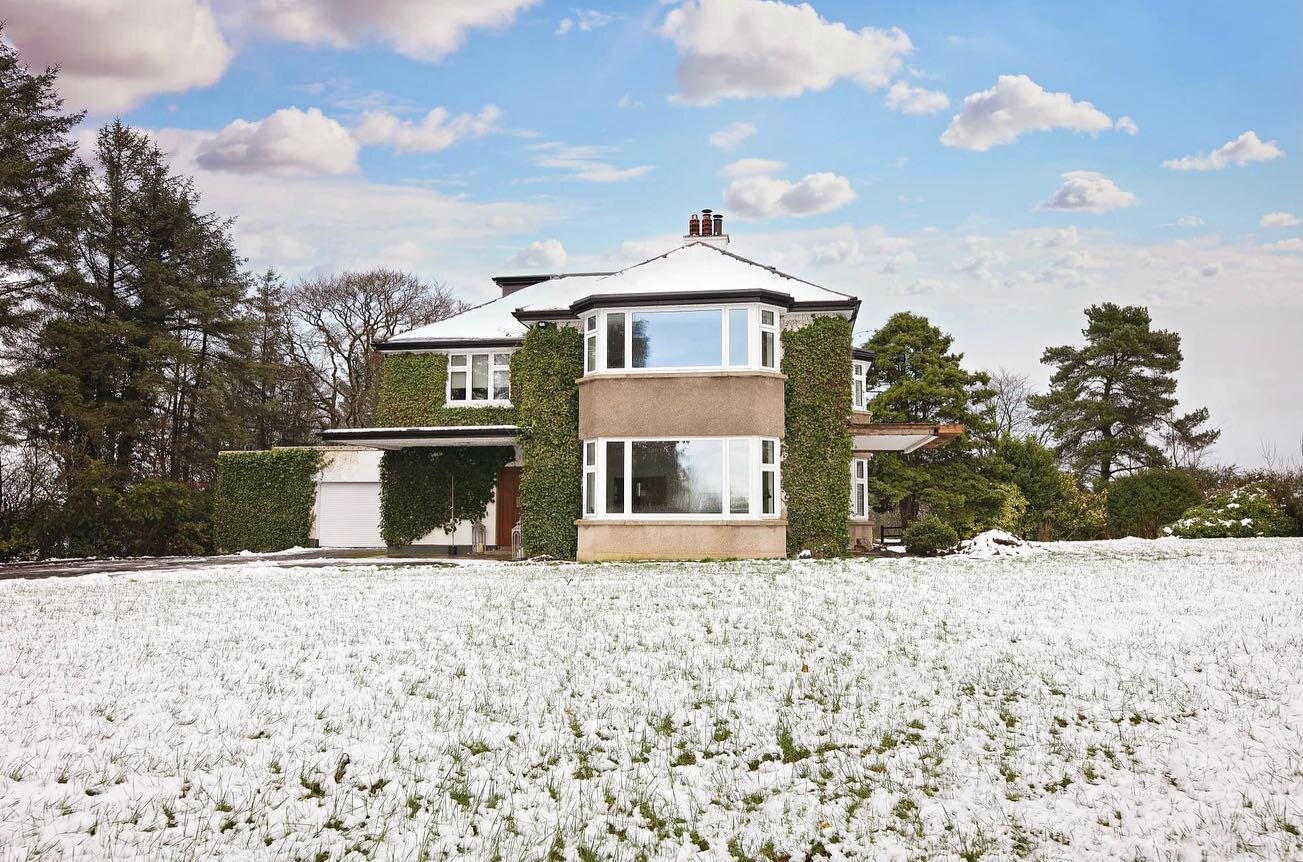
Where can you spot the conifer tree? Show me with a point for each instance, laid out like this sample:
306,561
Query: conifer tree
1110,398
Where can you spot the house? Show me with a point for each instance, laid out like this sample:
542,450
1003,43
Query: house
686,399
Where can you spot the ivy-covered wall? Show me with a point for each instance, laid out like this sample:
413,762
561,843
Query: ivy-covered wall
423,488
544,387
817,447
263,500
412,391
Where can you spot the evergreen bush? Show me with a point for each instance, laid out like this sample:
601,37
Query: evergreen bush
1141,503
1244,512
930,536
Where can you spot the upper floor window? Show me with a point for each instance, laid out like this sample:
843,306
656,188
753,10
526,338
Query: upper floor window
479,378
681,339
860,395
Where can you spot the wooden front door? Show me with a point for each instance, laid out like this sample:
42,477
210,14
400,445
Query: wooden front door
507,501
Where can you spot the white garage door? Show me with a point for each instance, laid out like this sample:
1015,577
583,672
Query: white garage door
348,515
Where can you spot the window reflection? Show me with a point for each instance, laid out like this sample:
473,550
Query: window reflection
677,339
678,477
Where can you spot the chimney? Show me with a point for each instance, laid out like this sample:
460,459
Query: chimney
708,227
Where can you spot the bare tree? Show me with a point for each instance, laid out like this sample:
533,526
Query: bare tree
1009,411
335,323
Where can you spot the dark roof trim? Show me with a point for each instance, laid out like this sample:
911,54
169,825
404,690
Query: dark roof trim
447,344
519,281
534,316
343,435
863,353
682,297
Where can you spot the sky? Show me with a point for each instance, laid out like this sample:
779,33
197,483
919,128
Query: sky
997,167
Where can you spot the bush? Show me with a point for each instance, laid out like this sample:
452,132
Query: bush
1139,504
165,517
930,537
1243,513
263,500
1078,515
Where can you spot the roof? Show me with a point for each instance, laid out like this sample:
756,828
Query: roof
693,270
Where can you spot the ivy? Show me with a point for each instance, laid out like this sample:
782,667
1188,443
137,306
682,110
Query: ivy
544,385
432,487
412,391
263,501
817,446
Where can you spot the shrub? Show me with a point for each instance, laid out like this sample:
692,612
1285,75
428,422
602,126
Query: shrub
1078,515
817,445
930,537
165,517
1242,513
263,500
1139,504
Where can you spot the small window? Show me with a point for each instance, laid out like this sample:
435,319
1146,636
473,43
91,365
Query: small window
859,488
857,385
768,340
768,477
590,344
615,339
457,385
457,360
590,478
479,377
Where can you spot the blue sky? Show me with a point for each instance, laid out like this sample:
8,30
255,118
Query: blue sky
855,160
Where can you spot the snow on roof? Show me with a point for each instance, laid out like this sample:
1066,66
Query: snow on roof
695,266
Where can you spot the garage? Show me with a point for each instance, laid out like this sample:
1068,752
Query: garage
348,515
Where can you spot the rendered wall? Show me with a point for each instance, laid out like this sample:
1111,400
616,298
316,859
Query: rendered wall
681,540
712,404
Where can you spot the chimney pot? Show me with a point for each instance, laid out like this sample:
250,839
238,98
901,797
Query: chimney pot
718,229
694,226
706,223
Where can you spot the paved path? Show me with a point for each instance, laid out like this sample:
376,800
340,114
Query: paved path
307,557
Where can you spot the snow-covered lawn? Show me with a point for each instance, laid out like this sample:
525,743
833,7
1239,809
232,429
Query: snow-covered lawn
1135,700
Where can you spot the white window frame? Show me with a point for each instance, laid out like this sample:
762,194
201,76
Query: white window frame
755,469
754,330
591,494
860,483
493,367
769,329
859,384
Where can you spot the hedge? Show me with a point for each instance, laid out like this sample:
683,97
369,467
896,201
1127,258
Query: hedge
545,389
817,448
412,389
425,488
263,500
1246,512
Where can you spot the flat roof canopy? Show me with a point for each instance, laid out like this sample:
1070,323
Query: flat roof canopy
440,435
903,437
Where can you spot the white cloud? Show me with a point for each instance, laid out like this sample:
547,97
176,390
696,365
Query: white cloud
1242,151
1014,106
727,139
1127,125
1089,191
751,168
585,163
915,100
547,254
288,142
114,54
1292,244
1189,221
435,132
584,20
1278,220
415,28
741,49
764,196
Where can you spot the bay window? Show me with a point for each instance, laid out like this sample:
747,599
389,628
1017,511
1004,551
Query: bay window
691,338
479,379
701,476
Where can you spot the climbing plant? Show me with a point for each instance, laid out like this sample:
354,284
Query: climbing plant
817,445
545,389
427,488
263,500
412,391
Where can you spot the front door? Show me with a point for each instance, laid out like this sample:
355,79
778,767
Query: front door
507,503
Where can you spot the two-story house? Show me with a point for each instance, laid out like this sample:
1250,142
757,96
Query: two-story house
683,407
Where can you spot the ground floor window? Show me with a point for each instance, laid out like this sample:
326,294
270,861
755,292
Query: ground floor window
859,487
699,476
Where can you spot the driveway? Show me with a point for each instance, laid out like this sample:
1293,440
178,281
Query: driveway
307,557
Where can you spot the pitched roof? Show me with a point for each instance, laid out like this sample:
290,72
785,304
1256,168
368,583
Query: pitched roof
696,267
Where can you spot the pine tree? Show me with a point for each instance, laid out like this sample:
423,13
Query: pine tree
37,193
1110,398
922,380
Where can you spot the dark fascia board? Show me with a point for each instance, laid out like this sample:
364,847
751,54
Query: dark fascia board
343,435
538,315
519,281
863,354
447,344
681,297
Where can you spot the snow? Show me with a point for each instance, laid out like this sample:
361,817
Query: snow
997,543
693,266
1093,701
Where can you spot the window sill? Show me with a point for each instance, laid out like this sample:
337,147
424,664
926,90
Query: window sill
681,521
689,372
478,404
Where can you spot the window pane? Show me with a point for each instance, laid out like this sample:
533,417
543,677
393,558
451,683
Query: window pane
457,390
767,318
766,350
502,385
590,454
480,377
766,451
615,478
767,499
502,359
615,340
590,492
590,323
678,477
677,339
590,354
859,499
458,359
737,336
739,477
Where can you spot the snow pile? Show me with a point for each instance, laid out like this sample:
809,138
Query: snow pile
1099,701
997,543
